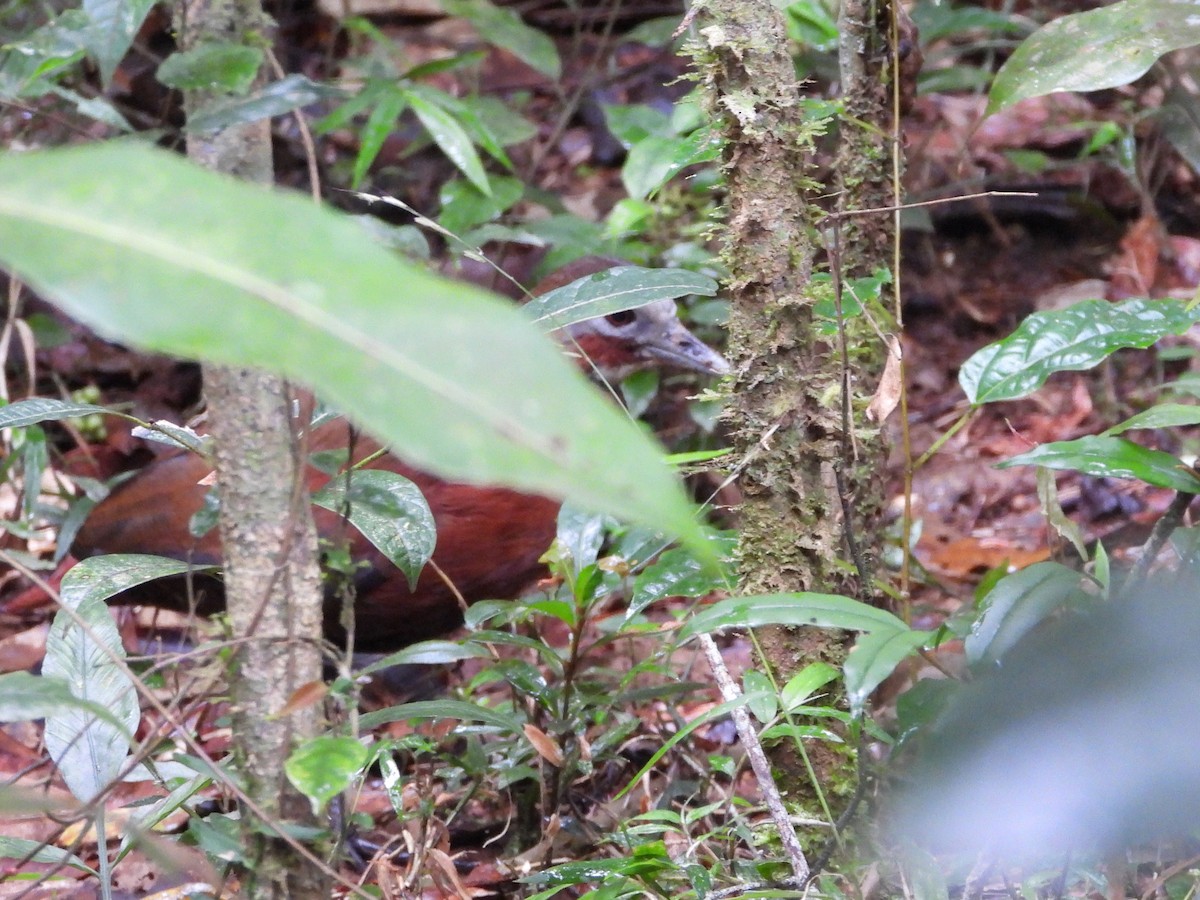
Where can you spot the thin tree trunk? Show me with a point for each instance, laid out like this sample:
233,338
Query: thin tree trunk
801,465
272,580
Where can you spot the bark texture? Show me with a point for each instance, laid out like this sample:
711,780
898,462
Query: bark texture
788,405
272,579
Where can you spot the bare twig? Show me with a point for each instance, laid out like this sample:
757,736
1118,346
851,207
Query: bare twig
758,761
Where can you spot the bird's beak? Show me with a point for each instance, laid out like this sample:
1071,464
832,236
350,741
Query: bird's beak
678,347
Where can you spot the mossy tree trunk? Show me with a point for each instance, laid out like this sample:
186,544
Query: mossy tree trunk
811,461
272,579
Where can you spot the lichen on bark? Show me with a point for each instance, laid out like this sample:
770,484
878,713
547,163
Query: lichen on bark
272,580
786,395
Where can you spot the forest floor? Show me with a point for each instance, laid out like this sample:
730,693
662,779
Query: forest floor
1024,238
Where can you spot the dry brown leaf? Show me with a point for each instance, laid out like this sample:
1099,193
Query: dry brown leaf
305,697
546,746
891,383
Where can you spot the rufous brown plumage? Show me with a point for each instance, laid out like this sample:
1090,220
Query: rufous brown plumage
489,539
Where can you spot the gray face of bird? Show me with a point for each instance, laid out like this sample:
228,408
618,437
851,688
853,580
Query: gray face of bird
646,337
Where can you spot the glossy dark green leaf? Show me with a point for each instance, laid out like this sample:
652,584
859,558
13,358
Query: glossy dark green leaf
504,28
1111,457
1068,340
391,513
820,610
614,290
451,138
390,103
678,573
1163,415
214,66
279,97
1096,49
453,377
323,767
479,130
579,536
1017,604
873,658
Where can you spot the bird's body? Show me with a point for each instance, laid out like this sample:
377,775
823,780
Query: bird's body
489,539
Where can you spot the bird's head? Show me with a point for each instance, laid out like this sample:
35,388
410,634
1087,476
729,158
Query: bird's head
649,336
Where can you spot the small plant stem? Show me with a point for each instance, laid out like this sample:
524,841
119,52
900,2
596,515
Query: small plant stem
758,762
950,432
1159,535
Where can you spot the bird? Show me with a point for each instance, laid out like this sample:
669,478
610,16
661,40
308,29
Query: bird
490,540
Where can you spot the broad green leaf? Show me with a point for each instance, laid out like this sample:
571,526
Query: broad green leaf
1075,338
579,535
464,206
1111,457
497,119
41,54
873,658
37,410
427,653
38,852
678,573
1017,604
84,649
325,766
451,138
634,122
762,700
343,114
436,66
801,686
391,513
279,97
820,610
505,29
653,162
214,66
378,127
464,114
98,108
24,697
454,378
102,577
938,21
1097,49
442,709
614,290
1084,736
1164,415
113,26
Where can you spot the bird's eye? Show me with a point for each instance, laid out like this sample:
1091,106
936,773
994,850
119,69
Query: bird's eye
621,319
